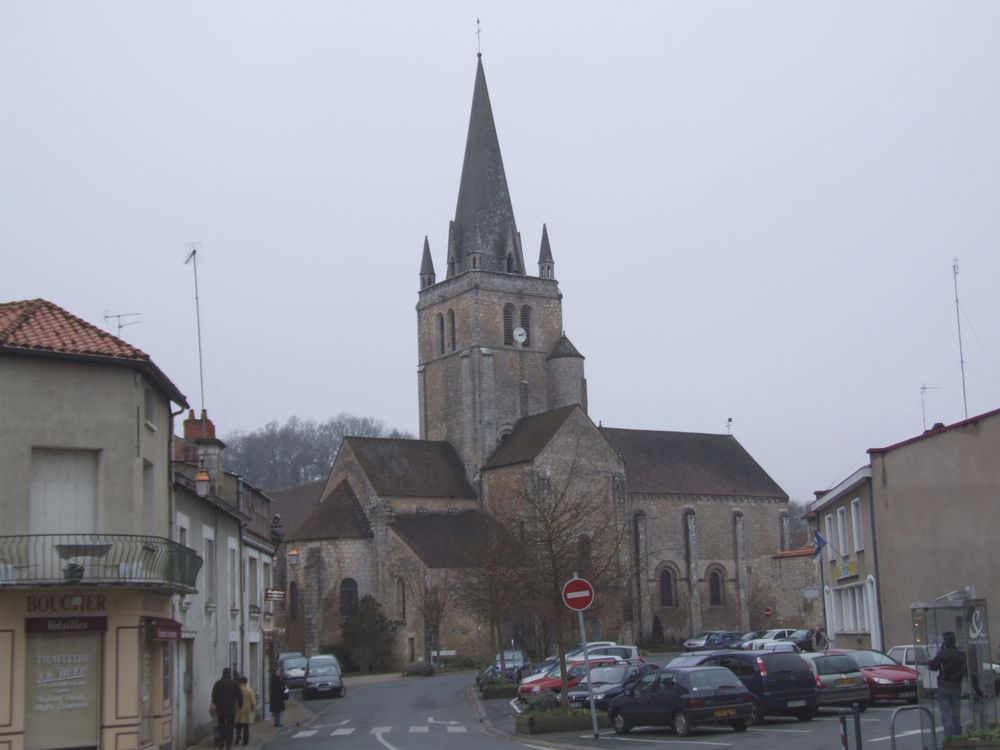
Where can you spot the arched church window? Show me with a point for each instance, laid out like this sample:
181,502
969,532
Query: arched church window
666,588
508,324
451,330
716,592
293,601
439,321
510,263
401,598
348,596
526,324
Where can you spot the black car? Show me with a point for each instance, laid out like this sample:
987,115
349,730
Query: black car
323,678
682,698
781,683
803,639
608,682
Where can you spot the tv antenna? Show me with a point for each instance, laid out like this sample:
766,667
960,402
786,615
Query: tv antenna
958,319
118,319
192,258
923,389
729,425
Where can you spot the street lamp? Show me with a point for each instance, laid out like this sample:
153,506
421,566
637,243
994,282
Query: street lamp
201,482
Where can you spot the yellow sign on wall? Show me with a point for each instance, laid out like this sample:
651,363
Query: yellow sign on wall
847,570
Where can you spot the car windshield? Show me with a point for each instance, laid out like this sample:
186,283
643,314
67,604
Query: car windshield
296,662
835,664
800,634
686,661
606,675
872,659
712,679
323,669
752,635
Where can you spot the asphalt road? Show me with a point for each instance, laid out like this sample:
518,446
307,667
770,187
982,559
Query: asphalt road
439,712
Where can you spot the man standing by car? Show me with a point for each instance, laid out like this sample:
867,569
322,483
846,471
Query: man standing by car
950,665
226,697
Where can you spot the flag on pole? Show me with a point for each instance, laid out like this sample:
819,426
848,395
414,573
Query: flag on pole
819,541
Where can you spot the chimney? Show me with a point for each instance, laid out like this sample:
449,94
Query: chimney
202,447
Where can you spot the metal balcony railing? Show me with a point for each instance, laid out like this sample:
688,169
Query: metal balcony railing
97,559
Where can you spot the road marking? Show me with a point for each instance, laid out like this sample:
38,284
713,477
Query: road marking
419,730
660,742
786,731
456,729
515,706
431,720
305,733
342,732
849,718
901,734
378,731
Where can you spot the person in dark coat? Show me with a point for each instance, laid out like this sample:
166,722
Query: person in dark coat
277,695
226,697
951,667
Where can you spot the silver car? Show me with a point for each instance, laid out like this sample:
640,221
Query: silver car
839,680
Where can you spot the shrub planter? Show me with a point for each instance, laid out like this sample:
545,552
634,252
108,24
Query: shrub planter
537,723
954,743
499,691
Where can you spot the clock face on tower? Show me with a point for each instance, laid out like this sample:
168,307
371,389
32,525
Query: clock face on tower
520,335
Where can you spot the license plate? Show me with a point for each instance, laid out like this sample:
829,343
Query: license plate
796,704
908,694
844,681
576,704
725,712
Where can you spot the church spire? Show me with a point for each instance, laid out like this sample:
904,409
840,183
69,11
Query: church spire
546,266
484,218
427,276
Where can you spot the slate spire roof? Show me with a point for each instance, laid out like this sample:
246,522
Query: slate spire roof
484,217
545,252
426,263
38,327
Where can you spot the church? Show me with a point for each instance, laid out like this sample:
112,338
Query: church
503,414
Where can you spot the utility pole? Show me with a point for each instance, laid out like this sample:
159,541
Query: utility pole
958,319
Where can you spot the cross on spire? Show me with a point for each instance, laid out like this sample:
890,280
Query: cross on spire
479,49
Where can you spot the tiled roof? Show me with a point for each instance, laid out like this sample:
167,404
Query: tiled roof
444,540
338,516
564,348
411,468
40,324
689,463
529,438
295,503
806,551
40,328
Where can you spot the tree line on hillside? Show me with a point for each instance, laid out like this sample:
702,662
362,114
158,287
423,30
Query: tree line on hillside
301,450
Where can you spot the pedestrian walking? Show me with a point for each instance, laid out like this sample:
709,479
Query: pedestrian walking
277,695
245,714
819,639
951,667
226,698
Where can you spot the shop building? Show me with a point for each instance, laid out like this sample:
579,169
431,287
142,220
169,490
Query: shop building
89,565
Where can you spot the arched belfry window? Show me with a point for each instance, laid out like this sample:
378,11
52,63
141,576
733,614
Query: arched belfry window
348,596
716,589
526,324
508,324
451,330
667,598
439,321
510,264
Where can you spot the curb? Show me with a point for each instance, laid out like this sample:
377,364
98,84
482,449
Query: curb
534,741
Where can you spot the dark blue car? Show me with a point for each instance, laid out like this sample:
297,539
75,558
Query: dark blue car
683,698
608,682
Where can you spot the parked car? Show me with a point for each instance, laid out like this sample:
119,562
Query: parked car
628,653
552,679
839,681
888,679
322,658
294,668
546,664
284,655
915,657
712,639
607,682
768,636
683,698
786,647
781,683
748,637
803,638
323,677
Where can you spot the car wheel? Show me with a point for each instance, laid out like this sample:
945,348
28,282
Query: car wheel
620,723
739,725
756,712
863,706
682,726
342,693
806,715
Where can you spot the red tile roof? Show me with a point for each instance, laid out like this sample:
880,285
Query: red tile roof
40,324
807,550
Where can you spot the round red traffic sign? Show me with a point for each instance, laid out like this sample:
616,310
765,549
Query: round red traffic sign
768,612
578,593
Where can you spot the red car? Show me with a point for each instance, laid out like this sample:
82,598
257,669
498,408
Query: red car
575,670
888,679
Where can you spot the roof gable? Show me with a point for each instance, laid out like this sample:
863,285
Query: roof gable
529,438
689,463
338,516
295,503
411,468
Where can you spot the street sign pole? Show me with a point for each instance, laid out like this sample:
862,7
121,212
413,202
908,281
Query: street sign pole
586,661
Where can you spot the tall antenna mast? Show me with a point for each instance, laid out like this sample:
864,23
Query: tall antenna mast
118,317
958,319
923,412
193,259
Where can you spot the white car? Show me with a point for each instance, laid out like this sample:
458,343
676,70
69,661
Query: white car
766,640
915,657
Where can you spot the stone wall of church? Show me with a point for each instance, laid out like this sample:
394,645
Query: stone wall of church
795,586
685,540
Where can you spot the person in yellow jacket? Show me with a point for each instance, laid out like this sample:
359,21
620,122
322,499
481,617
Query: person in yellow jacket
245,713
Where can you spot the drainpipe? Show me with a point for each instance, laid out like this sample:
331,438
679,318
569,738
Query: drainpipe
878,579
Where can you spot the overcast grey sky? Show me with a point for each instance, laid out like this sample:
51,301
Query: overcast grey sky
753,206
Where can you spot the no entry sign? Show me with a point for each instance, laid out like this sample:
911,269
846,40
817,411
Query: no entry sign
578,594
768,612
